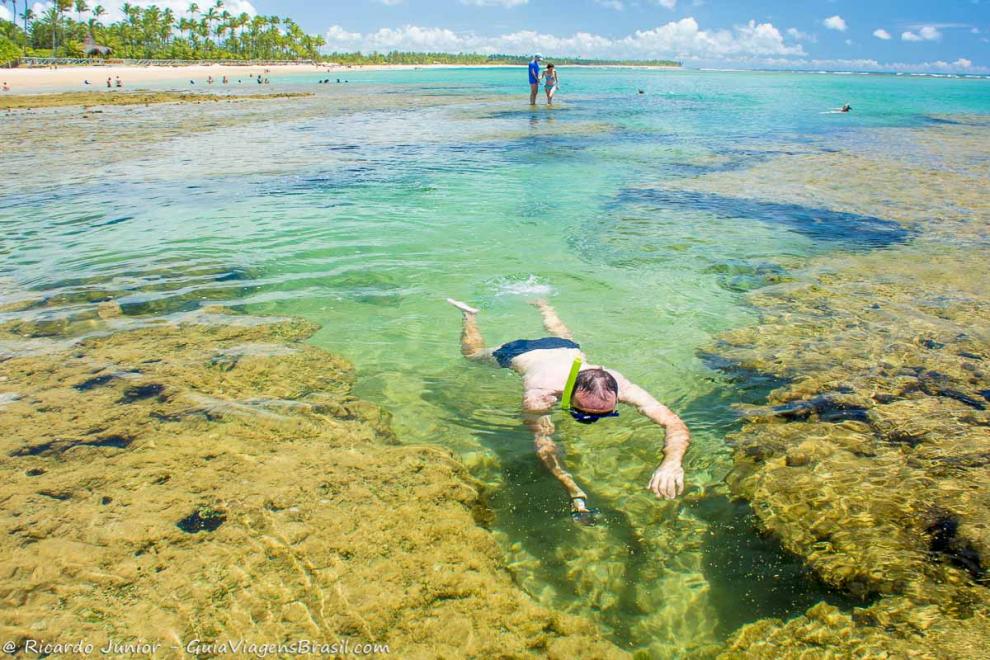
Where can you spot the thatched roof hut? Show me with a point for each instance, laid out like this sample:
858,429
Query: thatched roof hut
90,47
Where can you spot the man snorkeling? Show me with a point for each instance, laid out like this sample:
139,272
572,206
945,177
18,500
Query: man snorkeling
554,370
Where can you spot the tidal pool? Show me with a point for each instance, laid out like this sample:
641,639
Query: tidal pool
645,219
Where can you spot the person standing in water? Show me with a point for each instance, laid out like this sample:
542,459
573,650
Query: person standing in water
534,78
550,82
554,370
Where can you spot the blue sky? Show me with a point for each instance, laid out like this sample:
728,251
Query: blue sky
944,35
908,35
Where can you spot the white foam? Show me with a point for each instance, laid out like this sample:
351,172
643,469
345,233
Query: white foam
531,286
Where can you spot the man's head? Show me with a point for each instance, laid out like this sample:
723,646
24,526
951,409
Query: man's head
537,57
596,393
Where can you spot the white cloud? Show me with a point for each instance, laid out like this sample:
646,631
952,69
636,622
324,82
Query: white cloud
5,14
390,3
962,65
797,35
926,33
611,4
669,4
835,23
683,40
880,33
494,3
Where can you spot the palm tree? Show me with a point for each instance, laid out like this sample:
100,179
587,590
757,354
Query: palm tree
166,25
52,16
28,15
81,8
210,17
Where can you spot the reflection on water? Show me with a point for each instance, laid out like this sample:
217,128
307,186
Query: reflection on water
645,218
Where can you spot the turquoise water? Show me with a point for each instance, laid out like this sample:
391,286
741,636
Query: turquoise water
364,207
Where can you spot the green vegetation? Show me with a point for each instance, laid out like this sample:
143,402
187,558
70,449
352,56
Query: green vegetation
210,33
396,57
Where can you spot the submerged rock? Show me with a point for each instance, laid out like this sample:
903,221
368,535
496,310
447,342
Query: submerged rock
319,526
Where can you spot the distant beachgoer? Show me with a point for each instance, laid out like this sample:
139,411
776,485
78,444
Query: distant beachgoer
534,78
109,83
846,108
338,80
5,87
118,82
554,371
550,82
209,80
259,80
225,80
85,82
192,82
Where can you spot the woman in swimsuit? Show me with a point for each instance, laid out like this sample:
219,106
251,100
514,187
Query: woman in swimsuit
550,82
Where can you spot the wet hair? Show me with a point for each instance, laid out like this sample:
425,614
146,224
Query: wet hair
550,66
597,384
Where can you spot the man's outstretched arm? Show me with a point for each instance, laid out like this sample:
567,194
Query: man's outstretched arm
668,479
535,413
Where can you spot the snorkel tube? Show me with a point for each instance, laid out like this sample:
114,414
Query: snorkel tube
565,399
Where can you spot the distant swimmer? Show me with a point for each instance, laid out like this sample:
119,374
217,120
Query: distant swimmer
109,83
118,82
845,107
5,87
554,370
641,92
85,82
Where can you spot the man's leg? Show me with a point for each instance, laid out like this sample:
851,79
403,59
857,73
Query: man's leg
472,343
533,91
551,321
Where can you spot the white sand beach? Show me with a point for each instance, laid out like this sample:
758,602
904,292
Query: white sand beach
41,79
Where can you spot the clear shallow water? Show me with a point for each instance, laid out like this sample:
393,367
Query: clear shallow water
363,208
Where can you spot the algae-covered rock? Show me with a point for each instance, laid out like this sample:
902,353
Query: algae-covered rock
881,436
894,628
871,459
196,481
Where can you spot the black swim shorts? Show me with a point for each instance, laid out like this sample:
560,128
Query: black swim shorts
505,353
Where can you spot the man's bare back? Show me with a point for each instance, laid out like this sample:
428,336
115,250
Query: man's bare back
545,366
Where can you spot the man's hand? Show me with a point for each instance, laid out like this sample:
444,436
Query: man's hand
668,481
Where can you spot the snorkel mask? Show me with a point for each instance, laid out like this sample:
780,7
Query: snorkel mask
565,400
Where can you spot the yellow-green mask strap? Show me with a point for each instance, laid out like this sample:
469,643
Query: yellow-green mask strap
565,400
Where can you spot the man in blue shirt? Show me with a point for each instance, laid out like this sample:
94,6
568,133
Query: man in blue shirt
534,78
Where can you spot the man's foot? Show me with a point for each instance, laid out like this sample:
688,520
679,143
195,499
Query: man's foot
464,307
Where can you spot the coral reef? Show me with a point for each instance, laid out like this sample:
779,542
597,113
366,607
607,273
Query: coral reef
211,481
872,459
88,99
